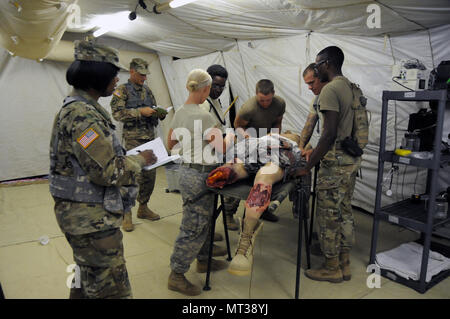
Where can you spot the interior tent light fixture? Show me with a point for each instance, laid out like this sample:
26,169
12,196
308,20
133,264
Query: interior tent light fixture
170,5
132,16
179,3
110,22
100,32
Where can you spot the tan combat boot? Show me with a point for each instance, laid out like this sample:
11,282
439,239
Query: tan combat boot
127,224
146,213
178,282
344,263
330,271
241,265
202,266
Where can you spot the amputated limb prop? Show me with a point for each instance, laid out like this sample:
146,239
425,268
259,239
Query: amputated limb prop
224,175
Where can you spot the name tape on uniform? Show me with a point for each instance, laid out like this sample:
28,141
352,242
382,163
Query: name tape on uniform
87,138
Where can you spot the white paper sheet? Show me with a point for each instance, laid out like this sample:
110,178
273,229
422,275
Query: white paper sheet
158,149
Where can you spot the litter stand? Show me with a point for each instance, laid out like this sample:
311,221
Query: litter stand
241,190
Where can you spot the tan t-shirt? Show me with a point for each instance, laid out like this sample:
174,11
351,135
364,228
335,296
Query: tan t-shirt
190,123
338,96
216,105
259,117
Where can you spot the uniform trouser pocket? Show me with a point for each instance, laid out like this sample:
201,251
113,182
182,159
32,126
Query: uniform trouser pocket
99,249
192,241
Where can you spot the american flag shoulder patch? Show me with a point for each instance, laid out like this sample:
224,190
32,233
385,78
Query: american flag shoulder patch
87,137
117,93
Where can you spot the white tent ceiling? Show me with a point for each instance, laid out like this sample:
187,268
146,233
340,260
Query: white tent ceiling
206,26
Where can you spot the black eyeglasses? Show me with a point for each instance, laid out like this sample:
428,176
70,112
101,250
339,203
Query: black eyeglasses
218,86
316,66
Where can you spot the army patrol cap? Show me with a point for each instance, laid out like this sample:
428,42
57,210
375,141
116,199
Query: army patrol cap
86,50
140,66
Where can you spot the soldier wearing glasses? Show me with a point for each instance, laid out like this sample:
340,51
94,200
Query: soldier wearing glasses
337,173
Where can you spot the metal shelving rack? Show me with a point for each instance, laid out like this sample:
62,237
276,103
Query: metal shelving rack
407,213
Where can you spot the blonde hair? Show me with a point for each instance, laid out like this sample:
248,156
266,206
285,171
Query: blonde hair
292,136
198,79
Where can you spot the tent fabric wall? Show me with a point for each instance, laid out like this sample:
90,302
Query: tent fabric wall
368,62
33,94
176,72
279,61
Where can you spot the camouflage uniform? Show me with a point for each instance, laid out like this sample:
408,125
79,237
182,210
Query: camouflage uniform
137,129
100,255
336,180
92,183
335,185
198,206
